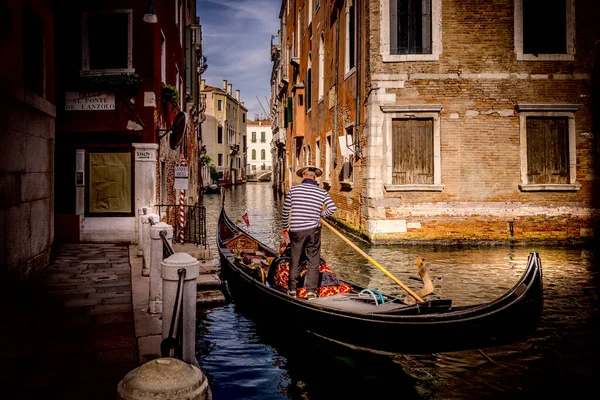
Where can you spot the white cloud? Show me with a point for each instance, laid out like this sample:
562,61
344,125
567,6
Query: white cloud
236,39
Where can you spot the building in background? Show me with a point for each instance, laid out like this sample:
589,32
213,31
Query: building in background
224,132
27,135
258,154
127,110
279,83
442,121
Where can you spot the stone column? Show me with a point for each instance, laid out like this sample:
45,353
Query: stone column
164,378
156,257
170,266
145,175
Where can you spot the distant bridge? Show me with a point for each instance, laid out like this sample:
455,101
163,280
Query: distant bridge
260,176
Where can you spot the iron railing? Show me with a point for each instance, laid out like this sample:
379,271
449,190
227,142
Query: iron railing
194,227
171,346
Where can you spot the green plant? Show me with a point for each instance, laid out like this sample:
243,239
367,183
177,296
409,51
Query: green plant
127,84
214,175
170,94
205,160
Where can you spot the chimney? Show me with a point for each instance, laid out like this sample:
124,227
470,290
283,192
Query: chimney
237,95
202,84
229,86
224,84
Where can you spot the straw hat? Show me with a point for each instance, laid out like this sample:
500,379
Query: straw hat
312,168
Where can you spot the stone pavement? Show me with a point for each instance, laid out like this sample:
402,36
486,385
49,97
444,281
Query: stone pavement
75,332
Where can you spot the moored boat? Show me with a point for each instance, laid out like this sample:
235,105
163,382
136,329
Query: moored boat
354,315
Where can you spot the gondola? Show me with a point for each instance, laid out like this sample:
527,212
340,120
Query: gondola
366,319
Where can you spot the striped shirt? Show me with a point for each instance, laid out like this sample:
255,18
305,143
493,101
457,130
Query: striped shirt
306,201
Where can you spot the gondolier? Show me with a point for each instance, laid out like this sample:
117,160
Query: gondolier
305,201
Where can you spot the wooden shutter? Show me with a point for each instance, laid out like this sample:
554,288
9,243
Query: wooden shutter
412,151
547,150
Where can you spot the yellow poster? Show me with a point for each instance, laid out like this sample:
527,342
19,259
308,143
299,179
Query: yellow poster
110,183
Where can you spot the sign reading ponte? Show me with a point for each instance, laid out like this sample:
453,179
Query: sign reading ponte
85,101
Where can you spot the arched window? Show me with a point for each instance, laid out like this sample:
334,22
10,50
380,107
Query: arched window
254,154
262,154
321,66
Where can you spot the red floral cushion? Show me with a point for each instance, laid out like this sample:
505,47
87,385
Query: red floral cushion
283,272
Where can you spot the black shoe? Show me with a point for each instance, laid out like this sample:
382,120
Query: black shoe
311,295
292,293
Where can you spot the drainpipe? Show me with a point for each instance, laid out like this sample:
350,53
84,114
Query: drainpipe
357,14
337,73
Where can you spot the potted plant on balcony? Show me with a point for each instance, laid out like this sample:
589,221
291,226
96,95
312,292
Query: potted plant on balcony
123,85
170,100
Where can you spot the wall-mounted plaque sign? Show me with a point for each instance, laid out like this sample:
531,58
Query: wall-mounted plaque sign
86,101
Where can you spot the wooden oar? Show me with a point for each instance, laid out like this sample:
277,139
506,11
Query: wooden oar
375,263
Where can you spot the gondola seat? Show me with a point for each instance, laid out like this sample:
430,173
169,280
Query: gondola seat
329,284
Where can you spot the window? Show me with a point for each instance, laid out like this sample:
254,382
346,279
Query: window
321,66
219,105
219,160
110,189
254,154
318,153
544,30
253,137
163,58
350,56
263,154
328,159
410,30
220,135
309,83
346,149
243,118
263,137
412,132
548,153
108,50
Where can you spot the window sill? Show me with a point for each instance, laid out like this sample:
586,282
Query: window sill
347,185
541,187
350,73
409,57
414,188
545,57
86,72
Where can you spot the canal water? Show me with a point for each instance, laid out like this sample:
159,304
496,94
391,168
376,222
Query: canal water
248,359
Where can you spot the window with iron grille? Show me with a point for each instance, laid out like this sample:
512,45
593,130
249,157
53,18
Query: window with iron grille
410,27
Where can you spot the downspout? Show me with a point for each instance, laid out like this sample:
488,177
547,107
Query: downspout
337,73
357,13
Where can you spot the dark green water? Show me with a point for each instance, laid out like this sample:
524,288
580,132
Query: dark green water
245,359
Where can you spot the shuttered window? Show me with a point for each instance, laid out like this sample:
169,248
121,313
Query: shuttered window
544,27
412,151
410,27
547,150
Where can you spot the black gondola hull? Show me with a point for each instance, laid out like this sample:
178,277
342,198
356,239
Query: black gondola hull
422,329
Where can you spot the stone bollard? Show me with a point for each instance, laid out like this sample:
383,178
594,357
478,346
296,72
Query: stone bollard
146,240
190,287
164,378
140,238
156,258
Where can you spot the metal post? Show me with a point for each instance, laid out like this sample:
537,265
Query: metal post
156,257
170,276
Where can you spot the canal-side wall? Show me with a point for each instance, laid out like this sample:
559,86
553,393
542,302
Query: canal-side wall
480,89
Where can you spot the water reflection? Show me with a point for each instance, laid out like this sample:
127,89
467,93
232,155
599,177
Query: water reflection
246,359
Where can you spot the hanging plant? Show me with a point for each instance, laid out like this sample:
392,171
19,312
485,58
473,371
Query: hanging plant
127,84
205,160
170,94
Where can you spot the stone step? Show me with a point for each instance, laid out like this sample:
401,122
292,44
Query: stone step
210,266
208,281
210,297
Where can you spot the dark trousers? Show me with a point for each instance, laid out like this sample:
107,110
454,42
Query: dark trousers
307,242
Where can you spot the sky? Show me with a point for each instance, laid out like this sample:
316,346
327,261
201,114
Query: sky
236,40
